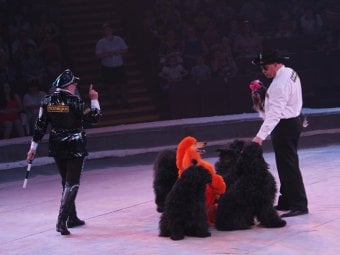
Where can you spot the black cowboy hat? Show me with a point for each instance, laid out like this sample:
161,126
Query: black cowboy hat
65,79
269,57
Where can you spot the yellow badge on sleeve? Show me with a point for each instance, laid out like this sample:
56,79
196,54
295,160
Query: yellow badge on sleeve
58,108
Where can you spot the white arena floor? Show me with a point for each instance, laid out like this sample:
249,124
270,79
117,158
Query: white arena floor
117,203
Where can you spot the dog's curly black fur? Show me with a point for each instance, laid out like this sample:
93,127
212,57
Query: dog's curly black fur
251,195
165,176
185,210
228,156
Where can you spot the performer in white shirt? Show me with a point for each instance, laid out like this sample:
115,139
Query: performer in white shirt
283,122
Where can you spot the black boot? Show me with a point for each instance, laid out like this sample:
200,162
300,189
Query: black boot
68,197
73,220
61,225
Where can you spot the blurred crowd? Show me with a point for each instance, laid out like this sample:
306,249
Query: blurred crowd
32,53
194,40
199,39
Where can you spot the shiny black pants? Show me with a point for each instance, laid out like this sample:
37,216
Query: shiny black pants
70,170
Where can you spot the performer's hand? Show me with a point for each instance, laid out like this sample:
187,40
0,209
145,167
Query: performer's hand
31,155
257,140
92,93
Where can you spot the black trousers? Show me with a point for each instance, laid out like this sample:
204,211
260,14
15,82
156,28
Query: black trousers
70,170
285,140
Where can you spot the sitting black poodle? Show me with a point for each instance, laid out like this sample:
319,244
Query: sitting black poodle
185,210
251,194
165,176
228,156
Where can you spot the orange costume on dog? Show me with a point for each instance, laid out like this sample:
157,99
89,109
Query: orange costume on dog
187,152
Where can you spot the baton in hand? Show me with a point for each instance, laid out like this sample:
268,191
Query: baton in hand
29,165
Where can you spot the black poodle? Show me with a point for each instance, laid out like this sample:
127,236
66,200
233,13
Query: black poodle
165,176
228,156
185,210
251,194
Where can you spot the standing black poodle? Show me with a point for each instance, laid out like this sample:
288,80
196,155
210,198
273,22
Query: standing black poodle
165,176
185,210
251,194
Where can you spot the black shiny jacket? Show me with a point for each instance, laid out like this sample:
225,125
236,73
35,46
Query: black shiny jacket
66,114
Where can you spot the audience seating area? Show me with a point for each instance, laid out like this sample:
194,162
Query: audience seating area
155,30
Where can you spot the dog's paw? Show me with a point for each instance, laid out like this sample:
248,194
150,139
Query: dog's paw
204,234
177,237
160,209
164,235
232,227
282,224
277,224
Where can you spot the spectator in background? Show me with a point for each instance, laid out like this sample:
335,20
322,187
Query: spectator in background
45,26
51,55
226,47
247,43
150,24
329,44
4,61
49,48
255,11
170,43
111,49
169,16
10,109
19,24
286,26
201,21
223,66
193,47
189,8
18,46
211,35
233,29
222,12
200,71
310,22
4,47
31,103
32,66
173,71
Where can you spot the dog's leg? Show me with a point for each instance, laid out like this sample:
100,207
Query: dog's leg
269,218
165,175
177,231
159,200
233,221
202,230
163,227
199,226
232,214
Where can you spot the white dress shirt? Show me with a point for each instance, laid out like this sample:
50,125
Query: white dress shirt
283,100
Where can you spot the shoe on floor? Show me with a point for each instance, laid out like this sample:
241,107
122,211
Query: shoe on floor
74,222
293,213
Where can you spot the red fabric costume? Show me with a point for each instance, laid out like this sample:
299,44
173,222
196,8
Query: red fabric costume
186,153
